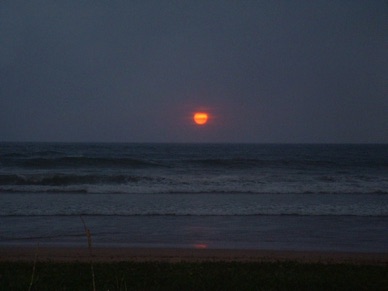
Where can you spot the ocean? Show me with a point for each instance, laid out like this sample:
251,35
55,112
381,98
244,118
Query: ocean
239,196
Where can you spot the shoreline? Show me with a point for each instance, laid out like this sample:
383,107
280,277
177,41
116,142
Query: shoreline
175,255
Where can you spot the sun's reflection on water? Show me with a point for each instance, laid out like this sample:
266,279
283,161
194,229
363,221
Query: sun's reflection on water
200,246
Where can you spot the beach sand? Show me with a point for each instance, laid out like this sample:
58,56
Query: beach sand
70,254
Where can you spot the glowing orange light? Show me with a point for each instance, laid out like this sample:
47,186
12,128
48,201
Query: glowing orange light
200,246
200,118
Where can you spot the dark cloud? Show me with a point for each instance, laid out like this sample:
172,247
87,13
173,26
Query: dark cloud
134,71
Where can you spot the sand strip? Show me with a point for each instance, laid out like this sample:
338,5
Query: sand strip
187,255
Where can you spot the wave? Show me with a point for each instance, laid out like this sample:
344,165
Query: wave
33,154
76,162
163,189
63,180
53,159
193,215
243,162
228,163
13,155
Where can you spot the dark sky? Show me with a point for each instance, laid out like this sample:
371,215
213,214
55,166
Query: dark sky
135,71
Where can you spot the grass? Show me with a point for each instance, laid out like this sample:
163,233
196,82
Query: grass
193,276
90,248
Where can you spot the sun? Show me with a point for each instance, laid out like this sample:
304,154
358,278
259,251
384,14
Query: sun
200,118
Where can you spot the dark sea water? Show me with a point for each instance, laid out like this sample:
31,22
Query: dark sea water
295,197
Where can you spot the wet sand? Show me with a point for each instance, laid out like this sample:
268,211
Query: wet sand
69,254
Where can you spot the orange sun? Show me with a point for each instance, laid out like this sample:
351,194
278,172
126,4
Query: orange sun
200,118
